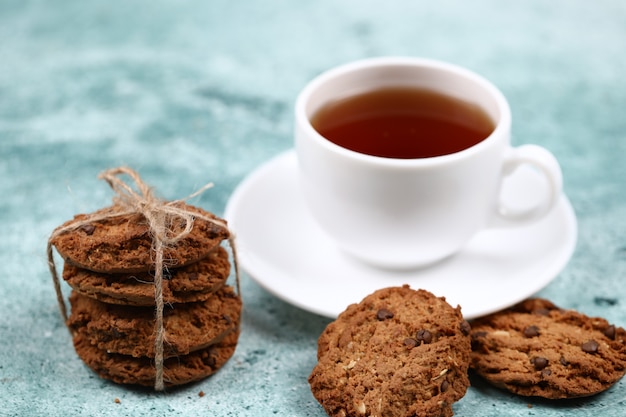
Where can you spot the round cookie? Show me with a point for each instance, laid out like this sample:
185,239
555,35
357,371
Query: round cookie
399,352
179,370
123,243
195,282
130,330
538,349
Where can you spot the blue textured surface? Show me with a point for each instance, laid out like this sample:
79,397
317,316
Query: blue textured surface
193,91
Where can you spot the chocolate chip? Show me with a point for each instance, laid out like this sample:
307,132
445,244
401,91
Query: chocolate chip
384,314
117,334
563,361
88,228
444,386
209,359
531,331
590,346
475,339
610,332
424,336
466,328
410,342
546,372
541,312
477,335
539,363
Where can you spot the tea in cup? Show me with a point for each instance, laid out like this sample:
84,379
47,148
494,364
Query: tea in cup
401,160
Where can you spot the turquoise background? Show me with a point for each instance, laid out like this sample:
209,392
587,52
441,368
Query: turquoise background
191,91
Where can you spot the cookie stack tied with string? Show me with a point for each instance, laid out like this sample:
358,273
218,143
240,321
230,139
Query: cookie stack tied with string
150,303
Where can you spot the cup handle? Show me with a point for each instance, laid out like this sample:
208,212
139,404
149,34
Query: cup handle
543,160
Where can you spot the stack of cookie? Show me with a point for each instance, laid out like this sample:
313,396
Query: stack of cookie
109,263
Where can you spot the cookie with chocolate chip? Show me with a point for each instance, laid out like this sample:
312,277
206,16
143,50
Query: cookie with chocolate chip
399,352
122,243
538,349
178,370
191,283
130,330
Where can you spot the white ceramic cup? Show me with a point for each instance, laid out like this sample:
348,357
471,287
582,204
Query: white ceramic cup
406,213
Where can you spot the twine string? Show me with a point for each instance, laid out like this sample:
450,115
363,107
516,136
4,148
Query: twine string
159,326
161,216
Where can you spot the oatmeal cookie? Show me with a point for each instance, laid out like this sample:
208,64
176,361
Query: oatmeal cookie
399,352
194,282
130,330
123,243
178,370
538,349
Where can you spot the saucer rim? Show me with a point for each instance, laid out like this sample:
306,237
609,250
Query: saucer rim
283,159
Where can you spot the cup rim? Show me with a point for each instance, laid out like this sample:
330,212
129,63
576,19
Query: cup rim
302,120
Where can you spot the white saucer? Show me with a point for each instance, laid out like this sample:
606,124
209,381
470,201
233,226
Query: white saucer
281,247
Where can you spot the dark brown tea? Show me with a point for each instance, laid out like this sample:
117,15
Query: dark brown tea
404,123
